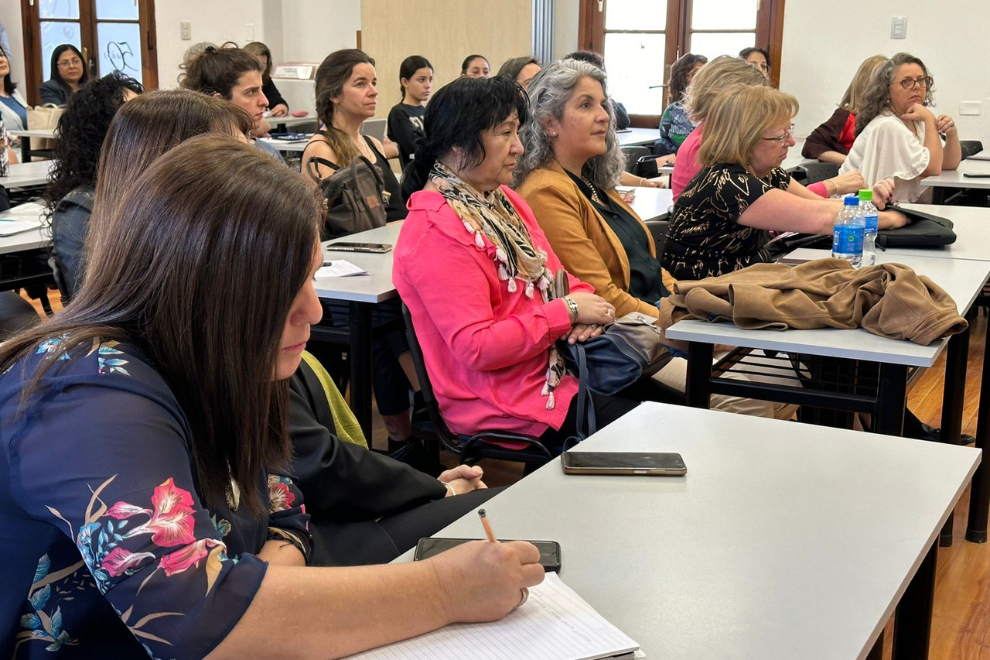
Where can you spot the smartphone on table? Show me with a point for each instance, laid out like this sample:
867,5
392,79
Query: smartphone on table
549,550
623,463
376,248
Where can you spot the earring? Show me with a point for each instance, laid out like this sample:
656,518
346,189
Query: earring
553,134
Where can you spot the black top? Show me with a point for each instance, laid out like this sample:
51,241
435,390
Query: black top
395,210
271,93
70,225
622,120
704,238
405,126
645,281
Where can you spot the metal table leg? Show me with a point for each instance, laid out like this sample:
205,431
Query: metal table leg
360,355
913,621
891,397
979,494
699,374
26,149
953,394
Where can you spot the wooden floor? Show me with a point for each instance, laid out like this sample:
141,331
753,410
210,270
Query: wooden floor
961,623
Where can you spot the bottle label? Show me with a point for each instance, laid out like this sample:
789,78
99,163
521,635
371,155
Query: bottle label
872,221
847,239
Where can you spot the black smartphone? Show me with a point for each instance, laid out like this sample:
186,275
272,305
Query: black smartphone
623,463
976,176
377,248
549,550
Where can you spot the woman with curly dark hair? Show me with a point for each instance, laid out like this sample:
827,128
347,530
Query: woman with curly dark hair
69,195
68,71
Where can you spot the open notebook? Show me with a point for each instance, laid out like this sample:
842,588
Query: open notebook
555,623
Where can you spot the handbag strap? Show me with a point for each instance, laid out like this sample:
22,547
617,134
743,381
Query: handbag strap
585,423
315,171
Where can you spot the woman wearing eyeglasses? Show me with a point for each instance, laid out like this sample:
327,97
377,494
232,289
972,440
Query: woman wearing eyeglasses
722,220
68,75
897,136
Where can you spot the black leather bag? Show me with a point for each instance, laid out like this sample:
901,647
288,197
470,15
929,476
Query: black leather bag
354,197
925,231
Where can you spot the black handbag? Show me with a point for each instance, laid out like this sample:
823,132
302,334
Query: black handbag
354,197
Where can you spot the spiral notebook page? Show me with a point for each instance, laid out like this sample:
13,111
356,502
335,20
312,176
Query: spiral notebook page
555,623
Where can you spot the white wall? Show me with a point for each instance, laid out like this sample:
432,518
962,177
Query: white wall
820,55
215,21
312,29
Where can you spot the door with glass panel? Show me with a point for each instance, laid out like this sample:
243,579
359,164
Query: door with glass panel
640,40
112,35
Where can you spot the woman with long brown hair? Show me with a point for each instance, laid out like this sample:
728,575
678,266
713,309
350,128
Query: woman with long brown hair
144,431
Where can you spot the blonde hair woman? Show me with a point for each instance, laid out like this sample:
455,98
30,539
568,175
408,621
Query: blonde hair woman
721,222
831,141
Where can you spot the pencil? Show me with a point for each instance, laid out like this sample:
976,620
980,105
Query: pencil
488,529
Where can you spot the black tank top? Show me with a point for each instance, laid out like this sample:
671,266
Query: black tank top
395,210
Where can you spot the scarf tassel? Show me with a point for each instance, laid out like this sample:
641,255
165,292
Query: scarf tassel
550,402
529,289
511,286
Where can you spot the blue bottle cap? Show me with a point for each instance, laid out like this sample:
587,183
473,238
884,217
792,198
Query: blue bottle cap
850,200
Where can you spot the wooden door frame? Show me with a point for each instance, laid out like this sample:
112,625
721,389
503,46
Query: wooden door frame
769,35
33,66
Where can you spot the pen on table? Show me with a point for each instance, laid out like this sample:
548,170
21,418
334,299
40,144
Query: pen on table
327,263
488,529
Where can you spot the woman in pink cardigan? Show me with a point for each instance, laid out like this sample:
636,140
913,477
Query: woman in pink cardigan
475,270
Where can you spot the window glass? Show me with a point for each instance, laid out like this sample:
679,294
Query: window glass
635,15
635,64
724,14
54,34
119,46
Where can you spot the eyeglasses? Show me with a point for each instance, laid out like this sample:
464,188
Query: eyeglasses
910,83
75,61
782,139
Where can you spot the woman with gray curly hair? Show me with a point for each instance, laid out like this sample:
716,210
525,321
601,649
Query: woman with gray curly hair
568,176
897,136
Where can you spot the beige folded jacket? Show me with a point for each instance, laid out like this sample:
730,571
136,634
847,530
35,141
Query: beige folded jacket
889,300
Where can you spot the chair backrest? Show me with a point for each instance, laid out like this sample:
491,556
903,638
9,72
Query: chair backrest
633,153
658,229
375,128
816,171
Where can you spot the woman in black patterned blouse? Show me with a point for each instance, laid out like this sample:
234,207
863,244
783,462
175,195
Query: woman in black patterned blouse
722,220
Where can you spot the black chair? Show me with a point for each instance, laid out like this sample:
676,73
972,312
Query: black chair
818,171
658,229
633,153
16,314
470,448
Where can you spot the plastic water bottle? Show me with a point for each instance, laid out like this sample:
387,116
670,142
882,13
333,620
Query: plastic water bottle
871,219
847,233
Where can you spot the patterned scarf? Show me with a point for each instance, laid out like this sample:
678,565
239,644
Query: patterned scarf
492,214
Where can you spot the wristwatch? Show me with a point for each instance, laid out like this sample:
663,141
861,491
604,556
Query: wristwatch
572,308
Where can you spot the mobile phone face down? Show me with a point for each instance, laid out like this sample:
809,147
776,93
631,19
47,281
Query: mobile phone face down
549,550
377,248
623,463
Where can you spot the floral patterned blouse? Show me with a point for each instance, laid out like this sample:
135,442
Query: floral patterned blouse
704,238
107,550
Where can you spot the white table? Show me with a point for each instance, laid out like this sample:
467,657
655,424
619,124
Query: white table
34,239
963,280
777,544
26,175
644,137
955,179
652,203
282,145
362,292
26,135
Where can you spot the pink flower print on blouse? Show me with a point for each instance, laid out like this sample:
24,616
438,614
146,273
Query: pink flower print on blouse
280,497
190,555
171,520
119,561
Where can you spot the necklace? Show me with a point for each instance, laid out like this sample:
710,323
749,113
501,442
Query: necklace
594,191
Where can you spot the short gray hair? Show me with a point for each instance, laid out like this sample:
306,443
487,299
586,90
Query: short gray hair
549,92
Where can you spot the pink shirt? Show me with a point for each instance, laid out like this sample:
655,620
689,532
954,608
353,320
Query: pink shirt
486,349
687,165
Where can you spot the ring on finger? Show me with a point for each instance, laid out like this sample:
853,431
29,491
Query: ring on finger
523,597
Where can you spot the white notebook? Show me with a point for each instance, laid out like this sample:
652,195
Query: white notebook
554,624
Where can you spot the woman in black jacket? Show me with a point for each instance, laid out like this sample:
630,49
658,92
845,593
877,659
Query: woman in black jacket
277,105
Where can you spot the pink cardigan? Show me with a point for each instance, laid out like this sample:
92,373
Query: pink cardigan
486,349
686,166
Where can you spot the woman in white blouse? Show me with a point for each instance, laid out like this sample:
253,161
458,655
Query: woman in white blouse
897,136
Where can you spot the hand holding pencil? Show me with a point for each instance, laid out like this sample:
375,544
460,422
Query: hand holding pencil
485,580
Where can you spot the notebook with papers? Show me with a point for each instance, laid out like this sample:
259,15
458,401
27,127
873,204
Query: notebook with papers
554,623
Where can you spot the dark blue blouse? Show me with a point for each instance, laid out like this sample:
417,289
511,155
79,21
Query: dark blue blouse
107,549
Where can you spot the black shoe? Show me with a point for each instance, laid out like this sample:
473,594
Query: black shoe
932,434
